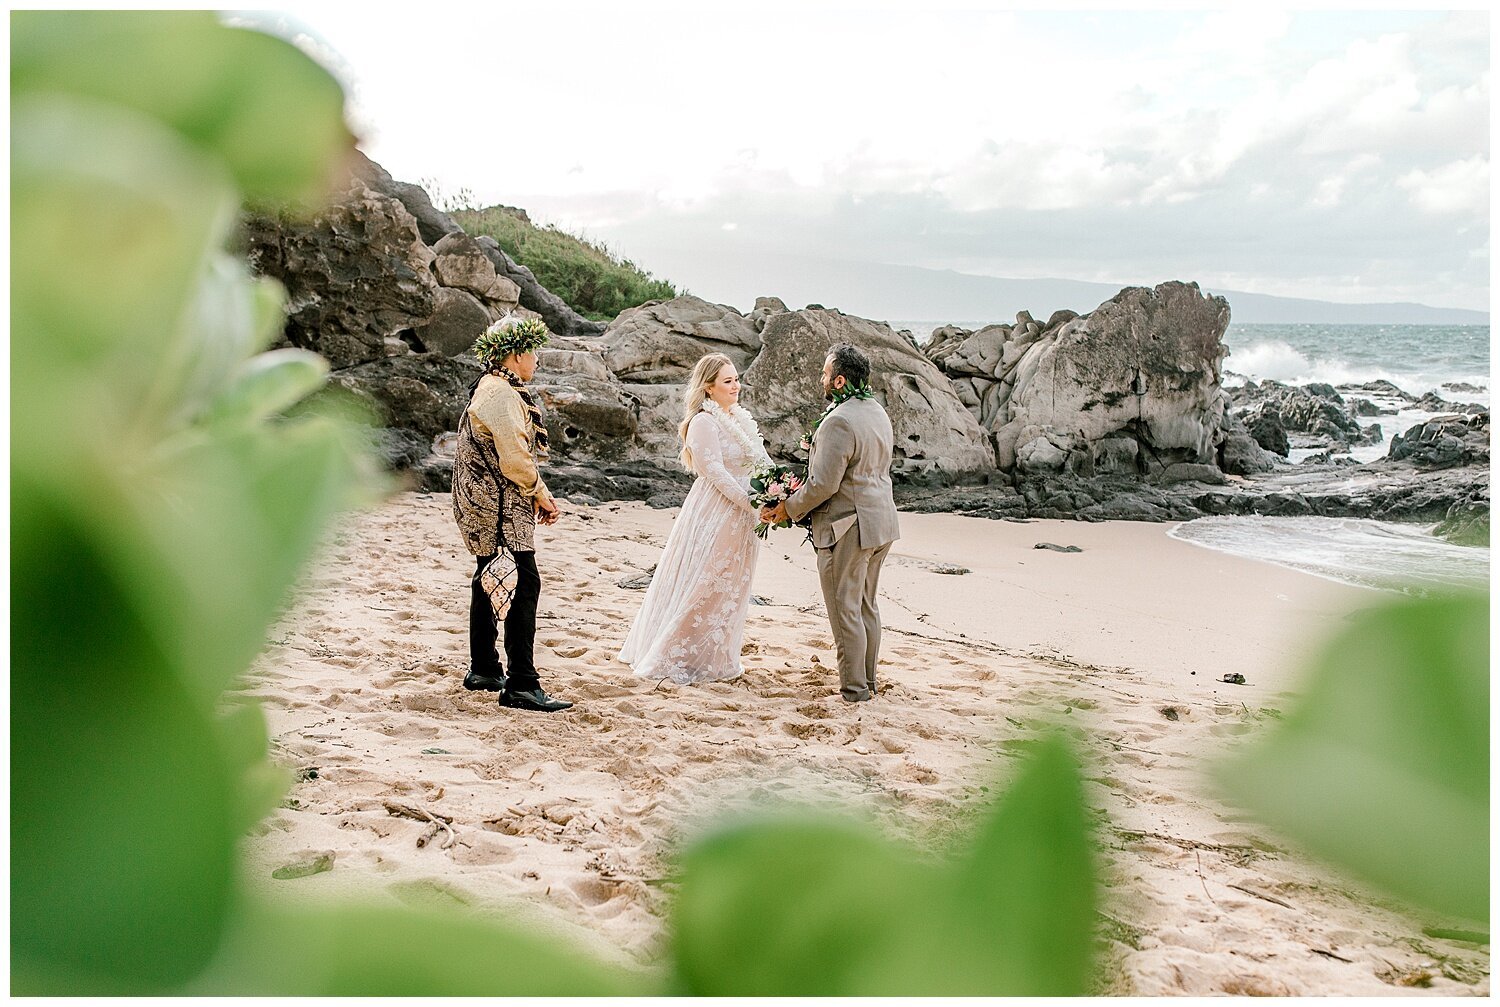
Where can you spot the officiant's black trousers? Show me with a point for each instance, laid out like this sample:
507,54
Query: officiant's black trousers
520,626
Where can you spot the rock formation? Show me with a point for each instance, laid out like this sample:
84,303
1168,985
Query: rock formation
934,434
1131,388
1116,414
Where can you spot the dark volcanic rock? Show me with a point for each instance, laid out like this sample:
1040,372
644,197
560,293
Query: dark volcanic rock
432,223
355,273
421,392
1382,388
653,484
1241,454
1432,403
1265,426
458,318
1467,523
1445,442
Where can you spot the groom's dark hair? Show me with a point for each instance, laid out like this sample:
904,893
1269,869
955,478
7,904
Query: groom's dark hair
849,361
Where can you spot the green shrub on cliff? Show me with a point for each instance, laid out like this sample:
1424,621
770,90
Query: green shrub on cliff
592,280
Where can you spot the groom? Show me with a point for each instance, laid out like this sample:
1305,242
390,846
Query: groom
848,496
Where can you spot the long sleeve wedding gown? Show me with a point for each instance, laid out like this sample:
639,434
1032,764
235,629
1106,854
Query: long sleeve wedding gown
691,623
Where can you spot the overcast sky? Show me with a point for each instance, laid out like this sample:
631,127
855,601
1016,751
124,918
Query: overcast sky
1337,155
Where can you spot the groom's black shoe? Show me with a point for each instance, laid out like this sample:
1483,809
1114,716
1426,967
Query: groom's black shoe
484,683
534,699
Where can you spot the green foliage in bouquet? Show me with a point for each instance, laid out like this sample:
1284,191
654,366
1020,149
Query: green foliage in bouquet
168,484
1383,767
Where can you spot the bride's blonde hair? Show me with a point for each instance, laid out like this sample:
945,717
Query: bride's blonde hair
705,372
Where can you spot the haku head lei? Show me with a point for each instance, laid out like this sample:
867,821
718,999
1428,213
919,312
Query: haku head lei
510,335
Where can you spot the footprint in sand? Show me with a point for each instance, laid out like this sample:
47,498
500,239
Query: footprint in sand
807,730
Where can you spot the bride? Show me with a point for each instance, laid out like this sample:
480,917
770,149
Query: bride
690,625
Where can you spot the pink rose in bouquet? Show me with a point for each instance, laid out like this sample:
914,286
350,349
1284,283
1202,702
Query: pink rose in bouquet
769,487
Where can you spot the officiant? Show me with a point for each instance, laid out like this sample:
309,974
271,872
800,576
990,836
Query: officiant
499,496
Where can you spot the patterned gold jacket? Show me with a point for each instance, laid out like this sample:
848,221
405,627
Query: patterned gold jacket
496,482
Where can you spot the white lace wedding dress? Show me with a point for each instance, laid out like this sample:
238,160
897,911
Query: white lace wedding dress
690,626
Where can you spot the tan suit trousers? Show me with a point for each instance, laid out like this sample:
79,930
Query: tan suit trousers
850,577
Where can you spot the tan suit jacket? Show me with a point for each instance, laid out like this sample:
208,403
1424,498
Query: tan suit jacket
849,478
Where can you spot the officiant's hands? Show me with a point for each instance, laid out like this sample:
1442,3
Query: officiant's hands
547,511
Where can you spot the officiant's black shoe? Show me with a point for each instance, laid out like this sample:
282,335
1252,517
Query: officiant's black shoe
533,699
484,683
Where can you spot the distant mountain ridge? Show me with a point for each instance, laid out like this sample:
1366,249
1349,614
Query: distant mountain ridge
911,293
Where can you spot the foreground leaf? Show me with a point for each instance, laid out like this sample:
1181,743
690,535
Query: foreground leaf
122,834
362,950
1383,767
266,109
797,907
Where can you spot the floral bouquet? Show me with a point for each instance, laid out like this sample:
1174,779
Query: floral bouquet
770,486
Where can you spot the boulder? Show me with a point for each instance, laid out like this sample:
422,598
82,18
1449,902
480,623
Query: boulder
588,417
1461,386
1382,388
1241,453
1144,364
661,412
660,341
460,262
1265,427
355,273
423,393
458,318
764,308
1467,522
1433,403
935,436
1445,442
432,223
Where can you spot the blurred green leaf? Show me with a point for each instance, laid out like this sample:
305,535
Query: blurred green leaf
231,520
270,112
122,843
232,316
791,907
364,950
1025,893
268,384
258,783
1383,766
796,907
116,216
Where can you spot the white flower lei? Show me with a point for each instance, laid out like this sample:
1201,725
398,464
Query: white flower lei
741,426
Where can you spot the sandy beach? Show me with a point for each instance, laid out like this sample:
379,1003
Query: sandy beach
570,819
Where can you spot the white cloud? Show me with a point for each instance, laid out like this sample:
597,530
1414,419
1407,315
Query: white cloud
1461,187
632,118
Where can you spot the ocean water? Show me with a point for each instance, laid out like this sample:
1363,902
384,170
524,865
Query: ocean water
1374,554
1415,358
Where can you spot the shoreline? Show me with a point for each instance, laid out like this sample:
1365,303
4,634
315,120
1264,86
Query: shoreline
575,816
